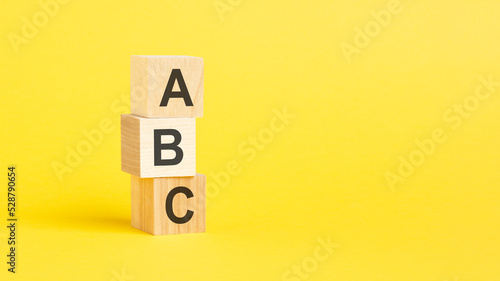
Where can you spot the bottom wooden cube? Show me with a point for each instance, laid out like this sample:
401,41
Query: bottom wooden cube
171,205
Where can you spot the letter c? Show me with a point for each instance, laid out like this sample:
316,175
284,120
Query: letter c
169,205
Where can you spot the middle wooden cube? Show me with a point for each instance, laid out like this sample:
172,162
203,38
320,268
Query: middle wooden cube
158,147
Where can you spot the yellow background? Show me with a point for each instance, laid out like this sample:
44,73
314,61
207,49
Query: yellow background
322,176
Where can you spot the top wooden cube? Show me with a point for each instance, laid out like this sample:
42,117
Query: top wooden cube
166,86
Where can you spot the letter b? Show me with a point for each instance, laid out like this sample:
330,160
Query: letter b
159,146
51,7
427,146
383,17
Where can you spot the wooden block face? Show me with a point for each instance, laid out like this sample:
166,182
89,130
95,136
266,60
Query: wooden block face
158,147
169,205
166,86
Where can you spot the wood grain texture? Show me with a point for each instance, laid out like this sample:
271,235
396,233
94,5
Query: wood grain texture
148,201
149,76
137,146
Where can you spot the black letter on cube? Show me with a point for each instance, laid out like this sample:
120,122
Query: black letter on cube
169,205
164,146
183,93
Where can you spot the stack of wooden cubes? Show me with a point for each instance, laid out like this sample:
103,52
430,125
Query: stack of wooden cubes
158,144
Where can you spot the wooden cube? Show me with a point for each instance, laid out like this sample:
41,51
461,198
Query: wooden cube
169,205
166,86
158,147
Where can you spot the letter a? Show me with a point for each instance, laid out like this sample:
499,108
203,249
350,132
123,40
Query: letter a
183,93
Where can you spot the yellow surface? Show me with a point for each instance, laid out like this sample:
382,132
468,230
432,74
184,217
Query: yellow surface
321,176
